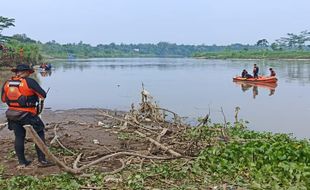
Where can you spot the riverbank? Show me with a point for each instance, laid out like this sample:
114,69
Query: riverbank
271,55
212,156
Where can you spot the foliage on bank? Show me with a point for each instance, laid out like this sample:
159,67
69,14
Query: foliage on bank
262,54
21,52
18,48
230,156
161,49
293,46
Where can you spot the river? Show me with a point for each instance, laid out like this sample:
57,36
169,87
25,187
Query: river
190,87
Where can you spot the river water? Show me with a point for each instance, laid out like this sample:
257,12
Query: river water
190,87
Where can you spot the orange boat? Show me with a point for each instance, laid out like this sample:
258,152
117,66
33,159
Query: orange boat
260,79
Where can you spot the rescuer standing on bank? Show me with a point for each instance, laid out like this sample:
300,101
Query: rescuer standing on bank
22,95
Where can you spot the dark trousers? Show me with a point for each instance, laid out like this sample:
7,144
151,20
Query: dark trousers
255,75
20,134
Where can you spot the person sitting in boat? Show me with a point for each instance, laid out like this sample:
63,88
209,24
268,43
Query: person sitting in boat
272,72
49,66
255,71
245,74
45,66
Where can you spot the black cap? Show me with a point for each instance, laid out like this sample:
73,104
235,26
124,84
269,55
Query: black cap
22,67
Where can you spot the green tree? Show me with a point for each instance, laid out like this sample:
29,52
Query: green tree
296,40
5,23
275,46
262,43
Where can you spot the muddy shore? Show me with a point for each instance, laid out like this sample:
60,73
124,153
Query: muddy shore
81,129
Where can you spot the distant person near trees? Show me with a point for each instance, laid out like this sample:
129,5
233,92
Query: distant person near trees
272,72
255,71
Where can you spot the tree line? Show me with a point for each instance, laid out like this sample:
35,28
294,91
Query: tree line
17,48
20,48
292,41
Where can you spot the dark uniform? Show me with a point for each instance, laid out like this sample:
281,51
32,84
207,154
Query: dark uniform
255,71
272,73
22,96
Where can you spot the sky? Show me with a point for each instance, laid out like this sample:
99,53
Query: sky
209,22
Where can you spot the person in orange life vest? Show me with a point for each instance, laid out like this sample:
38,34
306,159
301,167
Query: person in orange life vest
272,72
22,94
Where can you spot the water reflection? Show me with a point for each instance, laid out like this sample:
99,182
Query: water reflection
189,87
130,63
245,86
291,70
46,73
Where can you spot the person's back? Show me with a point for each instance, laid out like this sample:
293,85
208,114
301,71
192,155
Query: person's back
22,94
244,73
272,72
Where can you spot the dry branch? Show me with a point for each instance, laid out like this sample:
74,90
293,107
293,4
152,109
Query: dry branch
176,117
125,121
225,124
2,125
174,153
123,154
204,121
77,170
58,141
237,109
163,133
45,150
76,162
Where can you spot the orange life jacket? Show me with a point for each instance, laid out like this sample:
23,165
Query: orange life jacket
19,96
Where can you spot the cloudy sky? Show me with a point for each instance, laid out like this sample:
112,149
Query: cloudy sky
150,21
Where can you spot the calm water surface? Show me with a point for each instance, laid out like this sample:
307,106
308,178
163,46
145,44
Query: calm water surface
189,87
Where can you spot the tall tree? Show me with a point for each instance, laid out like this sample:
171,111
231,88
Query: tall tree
296,40
262,43
5,23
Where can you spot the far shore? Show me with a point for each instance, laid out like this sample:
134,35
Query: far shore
198,57
253,59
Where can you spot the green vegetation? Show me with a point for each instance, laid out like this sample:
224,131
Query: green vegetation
18,48
5,23
59,181
294,46
161,49
230,157
262,54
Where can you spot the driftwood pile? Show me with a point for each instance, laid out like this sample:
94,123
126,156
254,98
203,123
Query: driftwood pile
160,127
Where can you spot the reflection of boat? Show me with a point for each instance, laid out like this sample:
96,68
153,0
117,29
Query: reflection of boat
246,85
46,67
43,67
45,73
260,79
269,86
